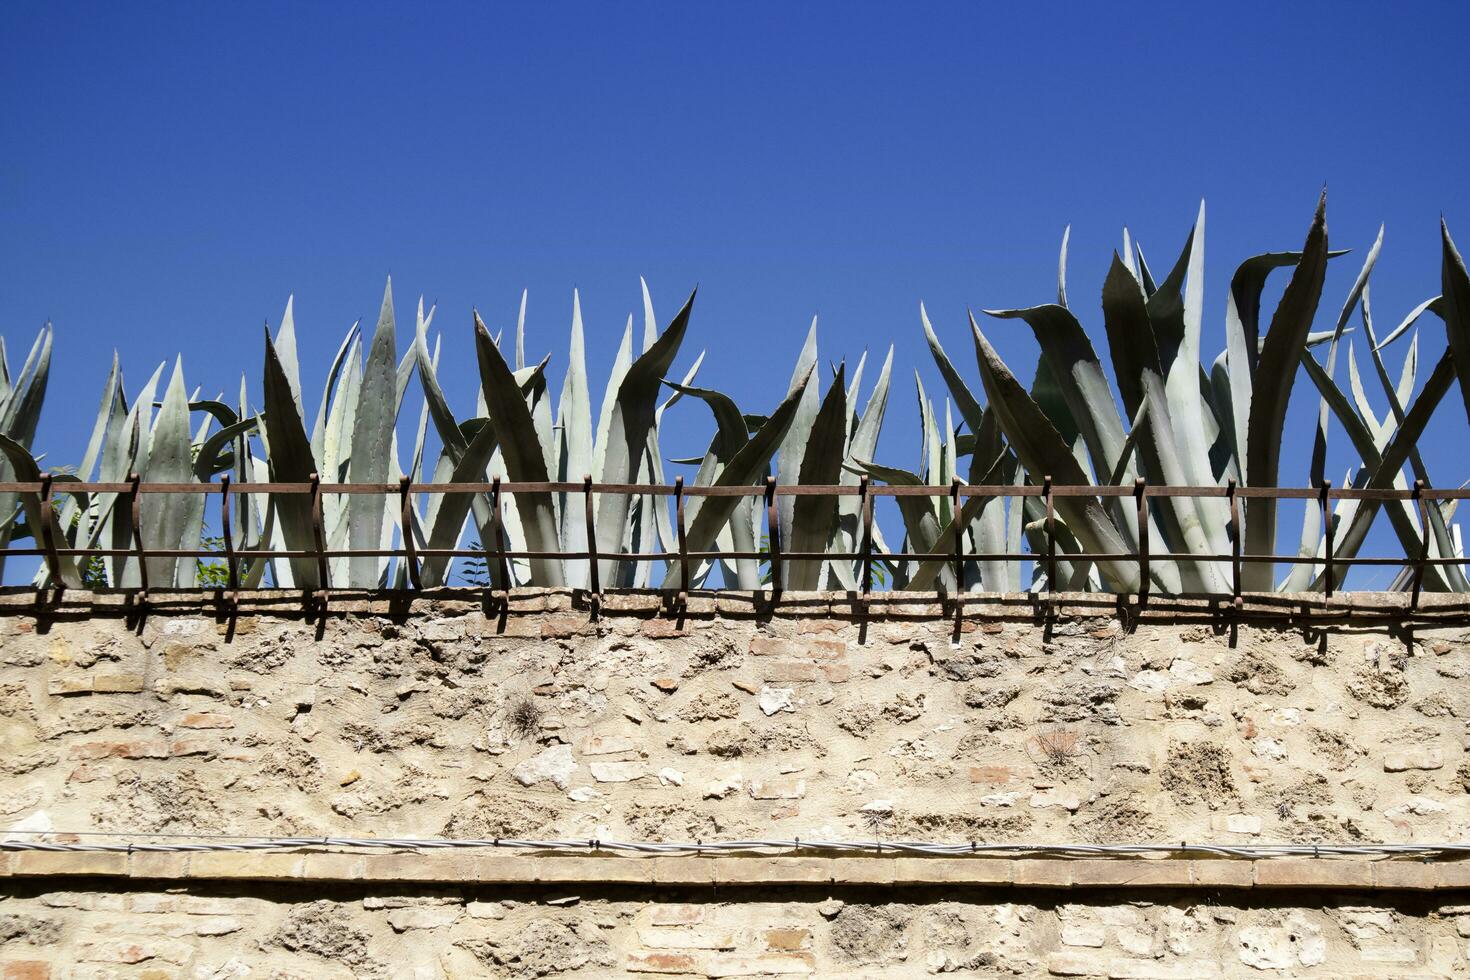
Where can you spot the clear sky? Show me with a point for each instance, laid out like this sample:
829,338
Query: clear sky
170,173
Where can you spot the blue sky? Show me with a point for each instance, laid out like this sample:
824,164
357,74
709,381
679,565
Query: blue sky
171,173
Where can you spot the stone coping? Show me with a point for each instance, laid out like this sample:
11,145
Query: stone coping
462,867
1288,608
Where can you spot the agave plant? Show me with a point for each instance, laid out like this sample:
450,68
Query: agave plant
1172,422
1188,426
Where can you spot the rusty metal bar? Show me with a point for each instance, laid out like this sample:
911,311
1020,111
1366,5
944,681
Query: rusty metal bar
1140,490
1235,539
502,561
594,582
1327,531
405,519
773,533
1051,533
866,555
1423,560
959,537
228,534
319,535
683,544
48,538
136,513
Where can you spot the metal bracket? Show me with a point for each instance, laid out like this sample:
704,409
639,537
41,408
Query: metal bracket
319,535
136,512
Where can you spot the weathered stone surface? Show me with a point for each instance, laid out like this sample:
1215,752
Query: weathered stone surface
733,722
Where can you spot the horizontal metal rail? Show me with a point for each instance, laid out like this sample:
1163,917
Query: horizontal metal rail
40,495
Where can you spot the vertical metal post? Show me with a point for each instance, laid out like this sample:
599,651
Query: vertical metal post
228,533
1140,491
865,504
683,544
1235,538
594,582
959,537
1419,566
319,535
1051,534
1326,499
410,551
773,533
502,564
136,511
48,538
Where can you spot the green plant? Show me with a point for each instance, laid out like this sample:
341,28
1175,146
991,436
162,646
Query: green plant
1175,420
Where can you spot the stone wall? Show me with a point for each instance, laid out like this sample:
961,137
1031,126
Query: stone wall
1307,722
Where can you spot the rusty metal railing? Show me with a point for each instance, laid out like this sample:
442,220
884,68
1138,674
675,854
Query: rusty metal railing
133,489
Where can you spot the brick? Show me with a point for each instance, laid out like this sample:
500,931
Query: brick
660,963
661,629
1405,875
992,775
155,749
608,745
788,939
1138,873
686,938
836,673
190,746
1075,965
1313,873
676,915
777,788
564,627
247,865
1153,970
26,970
1222,873
763,964
157,864
818,647
63,863
1043,873
1416,758
204,719
118,684
430,917
790,670
60,687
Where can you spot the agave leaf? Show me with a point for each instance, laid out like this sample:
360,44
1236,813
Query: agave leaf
371,460
448,521
815,518
164,520
1041,449
286,350
744,468
789,456
1400,513
574,434
1395,454
632,417
1435,306
964,399
520,333
621,362
334,374
1130,337
1272,390
1062,268
290,460
650,322
525,462
22,464
1455,286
